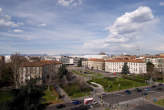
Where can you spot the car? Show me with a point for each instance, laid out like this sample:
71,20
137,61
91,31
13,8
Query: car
128,92
147,89
138,90
76,102
145,93
94,102
154,86
59,106
160,84
104,94
159,88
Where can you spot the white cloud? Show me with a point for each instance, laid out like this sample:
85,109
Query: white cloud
161,3
43,25
125,30
0,10
131,22
5,20
70,2
17,30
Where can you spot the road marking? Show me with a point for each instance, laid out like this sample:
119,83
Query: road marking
120,94
154,91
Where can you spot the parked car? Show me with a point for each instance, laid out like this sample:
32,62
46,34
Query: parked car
138,90
145,93
160,84
159,88
103,95
147,89
59,106
76,102
154,86
128,92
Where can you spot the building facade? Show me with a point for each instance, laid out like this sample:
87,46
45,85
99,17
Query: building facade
45,71
135,66
93,63
158,62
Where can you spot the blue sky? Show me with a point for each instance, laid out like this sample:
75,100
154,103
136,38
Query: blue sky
81,26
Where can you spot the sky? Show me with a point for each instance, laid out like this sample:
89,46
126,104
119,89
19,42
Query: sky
57,27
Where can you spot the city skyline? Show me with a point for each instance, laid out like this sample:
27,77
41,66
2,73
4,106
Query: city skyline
81,26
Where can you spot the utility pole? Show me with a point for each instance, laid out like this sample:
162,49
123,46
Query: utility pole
138,51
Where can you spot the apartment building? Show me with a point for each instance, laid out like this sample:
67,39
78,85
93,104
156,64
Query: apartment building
158,62
93,63
43,70
135,66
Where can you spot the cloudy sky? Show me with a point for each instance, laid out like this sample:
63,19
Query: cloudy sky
81,26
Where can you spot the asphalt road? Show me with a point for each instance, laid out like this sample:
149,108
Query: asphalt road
68,106
148,107
122,96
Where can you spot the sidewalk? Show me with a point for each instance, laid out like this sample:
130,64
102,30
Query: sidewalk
66,98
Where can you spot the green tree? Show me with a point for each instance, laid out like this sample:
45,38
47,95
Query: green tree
28,97
150,67
125,69
7,74
79,63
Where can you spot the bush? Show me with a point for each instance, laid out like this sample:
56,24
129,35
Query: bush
76,89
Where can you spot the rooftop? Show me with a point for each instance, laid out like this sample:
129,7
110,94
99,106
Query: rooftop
118,60
40,63
97,60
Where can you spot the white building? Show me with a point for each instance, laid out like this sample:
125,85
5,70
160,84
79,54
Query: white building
135,66
7,59
95,56
158,62
67,60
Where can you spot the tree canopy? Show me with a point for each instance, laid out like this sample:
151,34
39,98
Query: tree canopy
150,67
125,69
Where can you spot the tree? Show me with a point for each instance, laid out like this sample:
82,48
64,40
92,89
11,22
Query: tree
125,69
79,63
150,68
7,74
63,75
16,61
62,71
28,97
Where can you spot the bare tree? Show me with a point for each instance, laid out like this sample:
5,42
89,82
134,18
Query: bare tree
16,61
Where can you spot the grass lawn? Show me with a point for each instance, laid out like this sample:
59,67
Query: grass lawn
160,102
88,74
137,78
115,84
79,73
76,90
51,96
6,96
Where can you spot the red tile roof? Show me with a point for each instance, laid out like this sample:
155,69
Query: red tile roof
117,60
39,64
96,60
154,57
